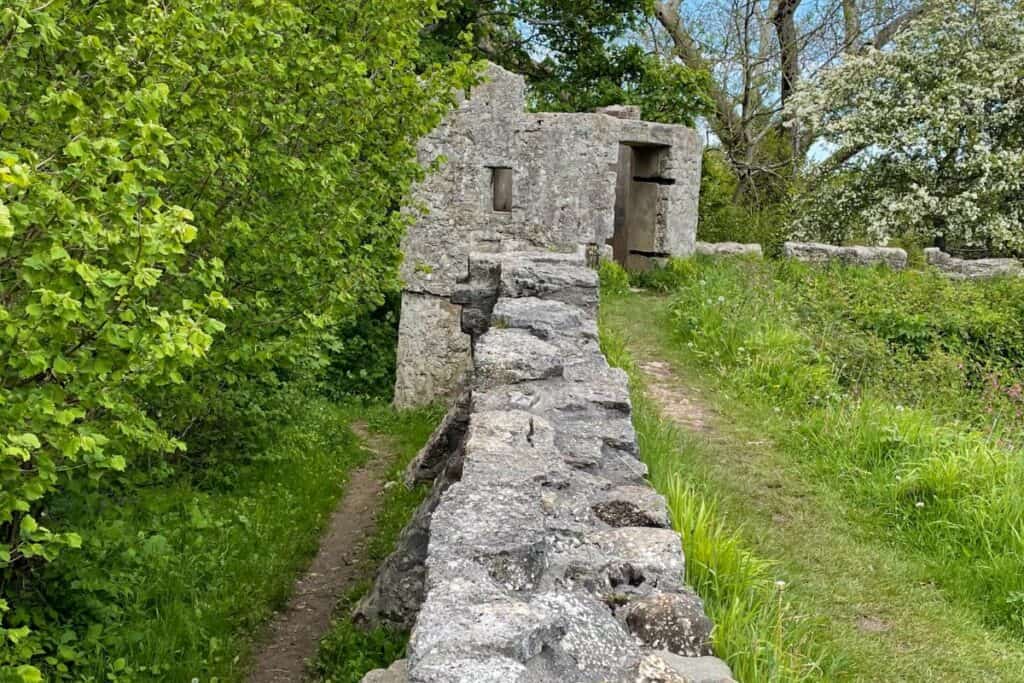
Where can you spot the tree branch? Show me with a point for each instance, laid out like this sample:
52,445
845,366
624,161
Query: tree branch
724,123
890,30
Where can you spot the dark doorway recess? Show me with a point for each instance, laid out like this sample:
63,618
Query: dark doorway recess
637,194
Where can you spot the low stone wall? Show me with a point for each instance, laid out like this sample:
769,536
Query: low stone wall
542,554
972,269
728,249
816,252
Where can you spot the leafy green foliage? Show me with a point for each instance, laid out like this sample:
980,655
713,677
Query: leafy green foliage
590,57
194,195
362,355
725,214
614,278
930,132
172,579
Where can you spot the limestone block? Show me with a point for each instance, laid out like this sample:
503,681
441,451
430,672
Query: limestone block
396,673
972,269
575,285
728,249
816,252
542,318
433,351
670,621
507,356
625,506
665,667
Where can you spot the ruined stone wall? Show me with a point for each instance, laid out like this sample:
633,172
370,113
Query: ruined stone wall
816,252
564,171
543,554
728,249
972,269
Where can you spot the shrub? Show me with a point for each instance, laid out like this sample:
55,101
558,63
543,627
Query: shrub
725,215
193,195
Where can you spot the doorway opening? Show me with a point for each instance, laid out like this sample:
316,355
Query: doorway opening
638,192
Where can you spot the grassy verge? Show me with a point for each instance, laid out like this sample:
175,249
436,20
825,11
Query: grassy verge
347,652
878,610
903,388
757,631
175,578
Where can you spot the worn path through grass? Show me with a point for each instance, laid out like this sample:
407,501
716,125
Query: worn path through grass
341,561
869,602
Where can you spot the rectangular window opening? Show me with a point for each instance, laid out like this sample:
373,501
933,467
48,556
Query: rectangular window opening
501,188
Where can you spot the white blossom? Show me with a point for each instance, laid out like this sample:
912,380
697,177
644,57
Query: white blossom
937,122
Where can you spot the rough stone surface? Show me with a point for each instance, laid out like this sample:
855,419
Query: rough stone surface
507,356
447,438
972,269
816,252
547,555
396,673
621,111
434,354
670,621
665,667
577,179
728,249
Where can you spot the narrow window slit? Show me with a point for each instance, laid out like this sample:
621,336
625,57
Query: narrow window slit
501,188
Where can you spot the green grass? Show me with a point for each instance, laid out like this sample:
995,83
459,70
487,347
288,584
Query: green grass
756,629
348,652
175,579
823,473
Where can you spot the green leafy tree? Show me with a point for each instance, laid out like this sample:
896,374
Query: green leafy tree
194,194
577,55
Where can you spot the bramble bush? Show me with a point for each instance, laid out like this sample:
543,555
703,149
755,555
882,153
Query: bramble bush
194,196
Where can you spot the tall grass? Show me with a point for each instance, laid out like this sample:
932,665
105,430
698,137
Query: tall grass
756,630
902,388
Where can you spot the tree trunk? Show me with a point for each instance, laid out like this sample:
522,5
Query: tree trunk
789,51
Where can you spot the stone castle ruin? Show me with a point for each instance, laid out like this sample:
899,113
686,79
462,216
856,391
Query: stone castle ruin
515,181
542,553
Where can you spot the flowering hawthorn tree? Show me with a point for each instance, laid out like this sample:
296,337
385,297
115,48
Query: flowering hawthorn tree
929,134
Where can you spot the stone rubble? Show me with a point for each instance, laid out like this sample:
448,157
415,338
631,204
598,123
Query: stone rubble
816,252
548,555
728,249
972,269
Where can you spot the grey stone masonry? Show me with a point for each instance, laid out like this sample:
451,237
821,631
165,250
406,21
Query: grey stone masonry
728,249
816,252
972,269
513,181
549,557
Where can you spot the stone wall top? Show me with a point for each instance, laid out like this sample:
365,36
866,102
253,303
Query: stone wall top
972,269
550,558
728,249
